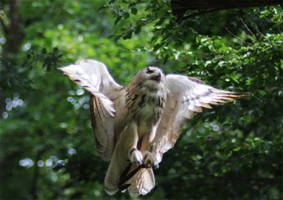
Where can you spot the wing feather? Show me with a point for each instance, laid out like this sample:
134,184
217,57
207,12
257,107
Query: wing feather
186,95
105,92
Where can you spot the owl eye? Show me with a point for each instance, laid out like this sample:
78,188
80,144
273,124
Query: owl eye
149,71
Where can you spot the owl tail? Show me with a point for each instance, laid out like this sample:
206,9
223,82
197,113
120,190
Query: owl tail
142,181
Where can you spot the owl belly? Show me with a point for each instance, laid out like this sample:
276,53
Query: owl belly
147,117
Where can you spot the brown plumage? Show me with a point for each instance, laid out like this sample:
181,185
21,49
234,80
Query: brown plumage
135,125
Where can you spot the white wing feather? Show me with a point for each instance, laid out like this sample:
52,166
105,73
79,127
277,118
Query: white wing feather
94,77
186,95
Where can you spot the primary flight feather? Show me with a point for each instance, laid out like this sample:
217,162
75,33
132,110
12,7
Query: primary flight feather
136,124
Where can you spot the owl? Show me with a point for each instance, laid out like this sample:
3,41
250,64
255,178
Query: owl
136,124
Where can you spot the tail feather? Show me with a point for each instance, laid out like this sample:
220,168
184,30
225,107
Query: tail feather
142,183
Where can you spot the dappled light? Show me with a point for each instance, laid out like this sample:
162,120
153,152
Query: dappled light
27,162
47,145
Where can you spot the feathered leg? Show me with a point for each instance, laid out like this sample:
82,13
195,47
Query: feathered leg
143,181
125,151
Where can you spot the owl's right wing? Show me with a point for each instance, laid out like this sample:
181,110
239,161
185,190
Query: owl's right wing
105,93
186,96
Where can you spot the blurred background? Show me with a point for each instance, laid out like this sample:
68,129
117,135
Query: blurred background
47,148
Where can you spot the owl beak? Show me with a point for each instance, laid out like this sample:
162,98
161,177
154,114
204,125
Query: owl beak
157,77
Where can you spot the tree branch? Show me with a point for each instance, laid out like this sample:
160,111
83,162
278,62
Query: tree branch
197,14
180,7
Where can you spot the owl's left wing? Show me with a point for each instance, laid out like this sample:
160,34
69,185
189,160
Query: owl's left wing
186,95
105,100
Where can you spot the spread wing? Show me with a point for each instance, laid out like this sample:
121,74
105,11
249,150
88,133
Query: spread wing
105,92
186,95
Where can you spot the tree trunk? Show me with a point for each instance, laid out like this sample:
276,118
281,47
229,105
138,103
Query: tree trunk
12,31
12,28
14,34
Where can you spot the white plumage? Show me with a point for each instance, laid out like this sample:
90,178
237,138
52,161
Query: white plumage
135,125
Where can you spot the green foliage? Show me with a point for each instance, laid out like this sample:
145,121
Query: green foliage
230,152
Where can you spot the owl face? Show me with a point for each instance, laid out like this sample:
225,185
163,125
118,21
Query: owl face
150,73
151,78
153,73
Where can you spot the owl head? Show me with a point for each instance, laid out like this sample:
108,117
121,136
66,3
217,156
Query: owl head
149,79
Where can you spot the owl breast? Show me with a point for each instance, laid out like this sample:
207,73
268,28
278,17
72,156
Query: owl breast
149,109
145,110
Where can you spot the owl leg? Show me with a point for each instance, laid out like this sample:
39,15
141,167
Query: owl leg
134,155
124,153
148,156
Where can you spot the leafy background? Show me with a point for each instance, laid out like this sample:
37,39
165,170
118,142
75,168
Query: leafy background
47,149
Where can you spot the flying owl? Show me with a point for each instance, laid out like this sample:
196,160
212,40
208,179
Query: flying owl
136,124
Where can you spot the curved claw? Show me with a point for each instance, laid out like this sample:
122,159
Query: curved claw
148,160
136,156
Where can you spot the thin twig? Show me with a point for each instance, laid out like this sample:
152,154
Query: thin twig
3,18
246,26
199,13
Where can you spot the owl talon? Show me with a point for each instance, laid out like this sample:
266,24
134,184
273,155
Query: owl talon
136,156
148,159
156,166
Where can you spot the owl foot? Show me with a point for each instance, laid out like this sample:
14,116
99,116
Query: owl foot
148,159
136,156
